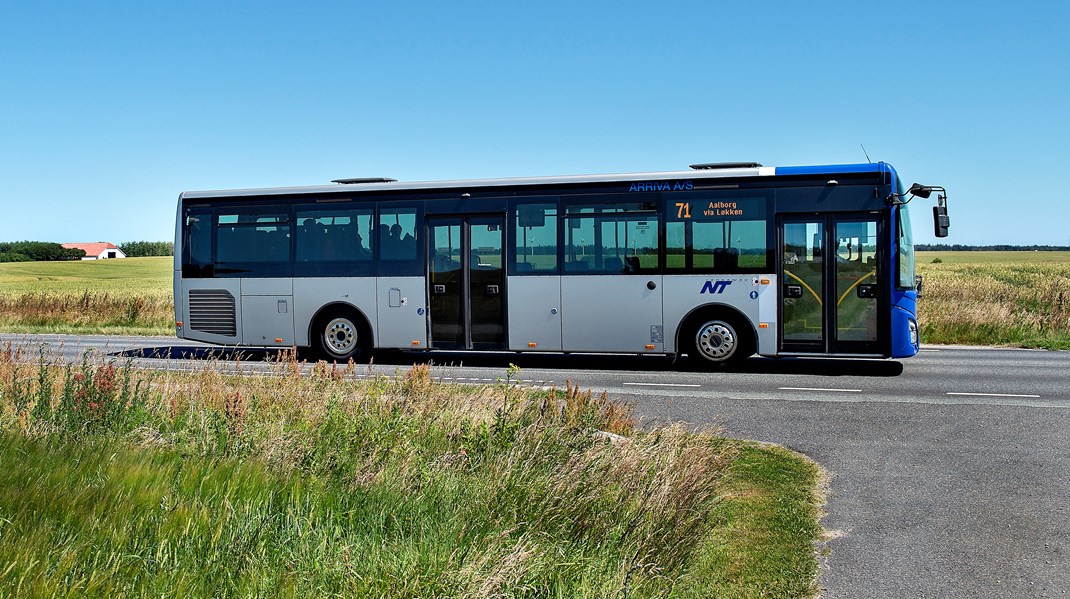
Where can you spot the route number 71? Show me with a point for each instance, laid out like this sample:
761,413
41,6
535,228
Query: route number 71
683,210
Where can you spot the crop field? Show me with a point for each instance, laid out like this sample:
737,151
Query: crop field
120,482
1019,299
130,296
983,257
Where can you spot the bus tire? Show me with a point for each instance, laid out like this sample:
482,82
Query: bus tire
341,335
718,339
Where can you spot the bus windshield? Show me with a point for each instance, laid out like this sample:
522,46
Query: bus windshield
906,248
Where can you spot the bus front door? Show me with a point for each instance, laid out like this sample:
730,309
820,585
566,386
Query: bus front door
466,282
831,284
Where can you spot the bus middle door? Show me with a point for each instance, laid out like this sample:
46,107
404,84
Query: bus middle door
466,282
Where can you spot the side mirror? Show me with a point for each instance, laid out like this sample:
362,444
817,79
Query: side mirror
917,284
922,191
940,221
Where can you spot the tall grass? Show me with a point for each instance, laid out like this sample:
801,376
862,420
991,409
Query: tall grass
88,312
309,482
1019,304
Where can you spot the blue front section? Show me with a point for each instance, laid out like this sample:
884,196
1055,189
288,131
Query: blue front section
879,167
901,336
905,332
904,319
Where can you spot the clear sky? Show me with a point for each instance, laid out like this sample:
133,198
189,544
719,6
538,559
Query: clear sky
109,109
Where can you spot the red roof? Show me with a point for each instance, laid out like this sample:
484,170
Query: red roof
91,249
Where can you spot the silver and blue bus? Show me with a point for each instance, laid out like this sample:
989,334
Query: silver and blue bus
719,262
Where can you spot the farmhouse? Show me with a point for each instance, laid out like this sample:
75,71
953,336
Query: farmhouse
99,250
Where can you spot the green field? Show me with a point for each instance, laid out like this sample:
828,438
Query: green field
117,482
127,276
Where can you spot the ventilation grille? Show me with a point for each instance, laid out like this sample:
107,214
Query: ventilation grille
212,311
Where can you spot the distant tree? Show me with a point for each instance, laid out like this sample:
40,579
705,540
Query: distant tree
135,249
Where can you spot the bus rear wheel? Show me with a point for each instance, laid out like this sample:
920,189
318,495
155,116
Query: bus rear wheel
340,337
720,341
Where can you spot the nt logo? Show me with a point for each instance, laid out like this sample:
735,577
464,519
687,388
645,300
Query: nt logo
715,287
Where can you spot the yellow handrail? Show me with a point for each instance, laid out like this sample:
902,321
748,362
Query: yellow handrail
842,297
803,283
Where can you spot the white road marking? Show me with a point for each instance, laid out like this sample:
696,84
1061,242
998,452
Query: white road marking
996,395
662,384
818,389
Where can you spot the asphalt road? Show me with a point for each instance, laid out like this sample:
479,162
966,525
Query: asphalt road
949,472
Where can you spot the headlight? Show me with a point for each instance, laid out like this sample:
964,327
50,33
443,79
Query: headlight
913,333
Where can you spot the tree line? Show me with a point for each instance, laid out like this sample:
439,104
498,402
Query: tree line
136,249
47,251
33,251
958,247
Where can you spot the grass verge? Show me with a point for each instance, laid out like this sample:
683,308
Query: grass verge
115,481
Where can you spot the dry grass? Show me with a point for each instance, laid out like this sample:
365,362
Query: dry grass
88,312
1020,304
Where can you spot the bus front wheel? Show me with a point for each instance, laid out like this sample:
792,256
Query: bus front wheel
341,337
720,341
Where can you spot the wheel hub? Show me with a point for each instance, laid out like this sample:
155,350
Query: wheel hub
341,336
716,341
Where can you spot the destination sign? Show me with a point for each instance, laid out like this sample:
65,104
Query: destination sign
718,209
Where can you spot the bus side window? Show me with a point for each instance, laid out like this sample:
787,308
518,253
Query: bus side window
333,242
397,242
535,239
197,250
730,246
253,241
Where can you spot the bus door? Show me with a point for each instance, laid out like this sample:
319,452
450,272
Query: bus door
831,284
466,282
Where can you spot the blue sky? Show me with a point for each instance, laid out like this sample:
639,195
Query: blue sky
110,109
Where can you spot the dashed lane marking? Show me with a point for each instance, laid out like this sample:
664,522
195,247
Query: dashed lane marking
996,395
662,385
819,389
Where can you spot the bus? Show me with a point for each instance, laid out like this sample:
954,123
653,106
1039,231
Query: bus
719,262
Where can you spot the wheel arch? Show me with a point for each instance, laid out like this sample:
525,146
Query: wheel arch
713,310
337,307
